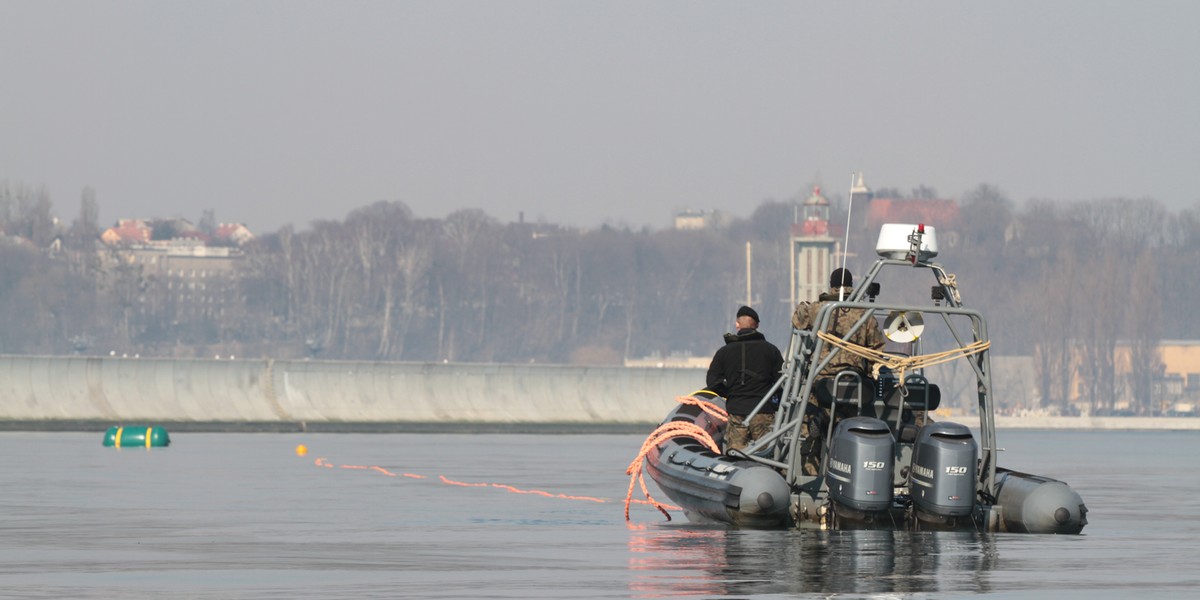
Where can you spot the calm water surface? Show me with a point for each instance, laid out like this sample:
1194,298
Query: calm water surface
428,516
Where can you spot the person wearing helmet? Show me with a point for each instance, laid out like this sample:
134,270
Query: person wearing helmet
869,335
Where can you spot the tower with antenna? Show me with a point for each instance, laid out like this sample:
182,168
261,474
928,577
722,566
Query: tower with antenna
860,203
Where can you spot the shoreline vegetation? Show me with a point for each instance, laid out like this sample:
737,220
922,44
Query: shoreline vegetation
1088,291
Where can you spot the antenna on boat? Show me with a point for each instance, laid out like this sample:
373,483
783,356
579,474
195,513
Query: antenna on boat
846,244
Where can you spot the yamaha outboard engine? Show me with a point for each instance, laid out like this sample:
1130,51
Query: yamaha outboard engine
859,474
944,473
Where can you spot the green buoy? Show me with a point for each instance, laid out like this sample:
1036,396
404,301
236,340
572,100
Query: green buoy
136,436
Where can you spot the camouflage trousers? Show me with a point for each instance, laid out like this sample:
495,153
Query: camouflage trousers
738,434
813,433
813,429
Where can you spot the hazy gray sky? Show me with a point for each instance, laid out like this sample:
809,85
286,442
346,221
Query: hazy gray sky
582,113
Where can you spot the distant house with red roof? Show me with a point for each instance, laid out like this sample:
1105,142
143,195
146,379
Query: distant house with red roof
234,234
173,232
942,214
127,232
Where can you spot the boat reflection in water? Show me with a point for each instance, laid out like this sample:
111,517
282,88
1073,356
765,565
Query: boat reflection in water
718,561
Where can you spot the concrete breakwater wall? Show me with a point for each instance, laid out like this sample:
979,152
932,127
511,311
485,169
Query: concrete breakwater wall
49,390
1089,422
42,388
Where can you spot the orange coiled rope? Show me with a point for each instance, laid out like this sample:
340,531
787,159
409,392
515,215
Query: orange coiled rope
705,406
665,432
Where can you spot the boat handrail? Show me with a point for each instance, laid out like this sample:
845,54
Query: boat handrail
800,364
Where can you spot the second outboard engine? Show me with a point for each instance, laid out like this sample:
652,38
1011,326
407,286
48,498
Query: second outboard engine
944,469
861,461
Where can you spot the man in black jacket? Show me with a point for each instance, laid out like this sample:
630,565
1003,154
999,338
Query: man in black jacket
743,371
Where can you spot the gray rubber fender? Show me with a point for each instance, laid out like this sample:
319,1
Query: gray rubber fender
1036,504
765,495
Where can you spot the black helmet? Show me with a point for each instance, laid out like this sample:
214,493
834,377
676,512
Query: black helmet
841,278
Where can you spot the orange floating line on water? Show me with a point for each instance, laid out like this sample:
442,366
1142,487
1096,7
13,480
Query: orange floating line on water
321,462
519,491
546,494
463,484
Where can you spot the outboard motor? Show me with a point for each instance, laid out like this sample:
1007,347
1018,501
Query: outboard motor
859,474
943,475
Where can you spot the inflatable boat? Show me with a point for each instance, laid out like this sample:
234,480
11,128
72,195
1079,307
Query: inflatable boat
885,462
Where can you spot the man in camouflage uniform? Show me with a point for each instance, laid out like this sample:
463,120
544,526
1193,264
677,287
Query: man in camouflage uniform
869,335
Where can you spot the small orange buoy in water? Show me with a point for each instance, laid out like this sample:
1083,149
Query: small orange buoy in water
301,450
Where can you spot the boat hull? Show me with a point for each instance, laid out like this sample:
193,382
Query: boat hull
712,487
717,488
